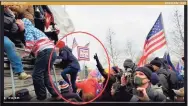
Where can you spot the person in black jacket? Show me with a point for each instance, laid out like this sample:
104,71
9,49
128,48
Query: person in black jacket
163,75
172,78
106,95
10,29
119,93
69,64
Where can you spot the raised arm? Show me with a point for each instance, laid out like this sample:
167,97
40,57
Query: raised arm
100,68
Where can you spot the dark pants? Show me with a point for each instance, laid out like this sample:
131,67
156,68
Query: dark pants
73,73
71,96
40,75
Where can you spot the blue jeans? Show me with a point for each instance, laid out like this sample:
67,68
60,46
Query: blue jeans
14,59
73,74
40,75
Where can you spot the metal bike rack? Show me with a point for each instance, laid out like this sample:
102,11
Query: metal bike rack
54,72
13,83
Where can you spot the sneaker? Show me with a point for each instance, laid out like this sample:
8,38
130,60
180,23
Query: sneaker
24,76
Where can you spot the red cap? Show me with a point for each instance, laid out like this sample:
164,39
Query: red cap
60,44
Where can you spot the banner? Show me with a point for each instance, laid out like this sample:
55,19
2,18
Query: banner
83,53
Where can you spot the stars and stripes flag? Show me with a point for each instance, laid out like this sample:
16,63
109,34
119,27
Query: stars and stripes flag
87,44
74,44
154,40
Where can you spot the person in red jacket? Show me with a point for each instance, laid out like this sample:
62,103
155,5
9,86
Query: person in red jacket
89,86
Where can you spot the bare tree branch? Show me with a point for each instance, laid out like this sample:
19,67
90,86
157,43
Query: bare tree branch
129,50
178,26
177,35
112,50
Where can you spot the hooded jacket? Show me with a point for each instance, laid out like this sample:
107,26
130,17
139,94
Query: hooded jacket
68,59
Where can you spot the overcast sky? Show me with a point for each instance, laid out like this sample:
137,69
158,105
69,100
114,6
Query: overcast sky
129,22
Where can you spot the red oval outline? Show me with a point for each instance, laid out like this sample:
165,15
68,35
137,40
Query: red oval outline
49,69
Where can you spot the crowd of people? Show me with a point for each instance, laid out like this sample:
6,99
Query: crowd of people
154,82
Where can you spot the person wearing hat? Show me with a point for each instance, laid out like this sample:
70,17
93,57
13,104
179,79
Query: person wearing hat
129,65
106,95
89,86
69,64
143,87
66,91
162,74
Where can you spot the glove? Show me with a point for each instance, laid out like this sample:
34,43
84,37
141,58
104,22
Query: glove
96,57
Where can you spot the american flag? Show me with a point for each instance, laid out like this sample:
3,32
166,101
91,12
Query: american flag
87,44
154,41
74,44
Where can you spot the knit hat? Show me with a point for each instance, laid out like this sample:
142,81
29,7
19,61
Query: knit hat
146,71
128,63
64,86
154,78
93,73
60,44
149,66
156,62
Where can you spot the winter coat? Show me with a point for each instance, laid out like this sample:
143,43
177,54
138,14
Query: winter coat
173,79
23,11
122,95
88,86
154,94
11,29
106,95
68,59
163,78
10,25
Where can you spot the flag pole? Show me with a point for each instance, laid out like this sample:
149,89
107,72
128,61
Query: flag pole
164,33
72,44
84,70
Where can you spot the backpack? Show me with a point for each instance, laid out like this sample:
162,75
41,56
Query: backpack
157,88
20,95
171,75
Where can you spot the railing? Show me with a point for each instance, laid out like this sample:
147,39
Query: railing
26,62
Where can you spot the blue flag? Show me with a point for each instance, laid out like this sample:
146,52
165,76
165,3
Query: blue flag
179,69
167,58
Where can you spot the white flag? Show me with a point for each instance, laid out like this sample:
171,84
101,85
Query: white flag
62,19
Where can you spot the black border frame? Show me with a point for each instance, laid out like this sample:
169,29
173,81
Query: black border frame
1,55
66,104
